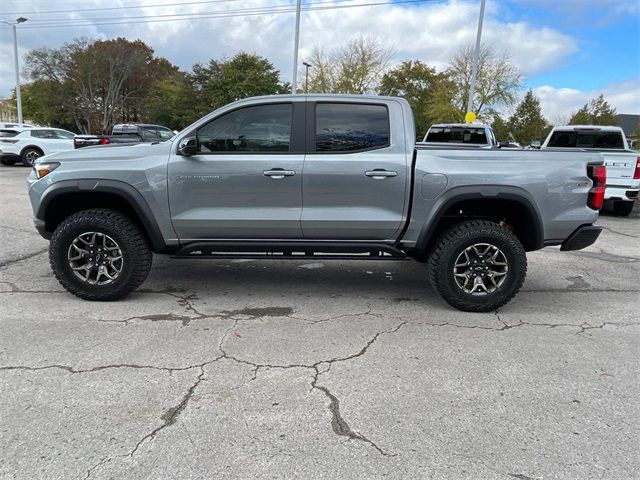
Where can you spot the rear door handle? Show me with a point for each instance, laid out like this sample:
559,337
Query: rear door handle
380,174
278,173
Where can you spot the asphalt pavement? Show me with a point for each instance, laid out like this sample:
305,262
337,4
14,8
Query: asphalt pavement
318,369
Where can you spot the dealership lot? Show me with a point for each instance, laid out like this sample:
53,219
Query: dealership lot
318,369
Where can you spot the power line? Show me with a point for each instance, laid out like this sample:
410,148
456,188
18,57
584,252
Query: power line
119,8
222,14
190,14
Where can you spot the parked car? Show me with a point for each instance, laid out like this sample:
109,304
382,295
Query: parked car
29,144
126,133
15,125
255,180
9,132
463,134
623,164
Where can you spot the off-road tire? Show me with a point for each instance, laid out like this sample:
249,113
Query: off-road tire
137,256
30,154
622,209
453,242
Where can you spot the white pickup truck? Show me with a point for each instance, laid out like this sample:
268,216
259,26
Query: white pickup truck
623,164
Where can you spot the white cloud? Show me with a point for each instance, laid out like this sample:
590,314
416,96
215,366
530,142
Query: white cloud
560,103
431,32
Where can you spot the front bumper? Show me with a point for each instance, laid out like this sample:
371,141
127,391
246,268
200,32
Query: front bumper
582,237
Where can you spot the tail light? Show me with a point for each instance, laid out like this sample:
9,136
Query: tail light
598,174
103,141
636,173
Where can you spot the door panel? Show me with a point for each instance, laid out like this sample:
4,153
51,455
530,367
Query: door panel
357,195
245,182
223,196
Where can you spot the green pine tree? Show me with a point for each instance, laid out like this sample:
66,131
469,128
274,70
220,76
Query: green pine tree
527,122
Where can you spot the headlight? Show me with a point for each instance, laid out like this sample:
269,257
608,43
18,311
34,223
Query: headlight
44,169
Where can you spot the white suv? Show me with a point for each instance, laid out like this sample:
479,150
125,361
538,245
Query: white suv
27,145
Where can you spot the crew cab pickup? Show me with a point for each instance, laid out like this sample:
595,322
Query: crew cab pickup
623,164
462,134
313,176
126,133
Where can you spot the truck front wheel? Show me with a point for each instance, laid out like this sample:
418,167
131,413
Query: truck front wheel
99,254
477,266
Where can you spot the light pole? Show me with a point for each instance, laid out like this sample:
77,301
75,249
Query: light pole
474,69
307,66
296,43
15,59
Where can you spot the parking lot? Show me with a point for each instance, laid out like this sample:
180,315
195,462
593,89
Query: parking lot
324,369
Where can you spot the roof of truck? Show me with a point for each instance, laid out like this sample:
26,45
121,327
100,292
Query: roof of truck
570,128
459,125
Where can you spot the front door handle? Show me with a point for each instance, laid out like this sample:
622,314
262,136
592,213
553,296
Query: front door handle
278,173
380,174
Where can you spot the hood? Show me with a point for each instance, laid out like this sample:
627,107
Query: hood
112,152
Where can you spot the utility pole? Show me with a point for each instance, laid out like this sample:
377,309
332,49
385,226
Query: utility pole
306,76
296,42
15,60
474,71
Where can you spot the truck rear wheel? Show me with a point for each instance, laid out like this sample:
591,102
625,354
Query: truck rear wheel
99,254
477,266
622,209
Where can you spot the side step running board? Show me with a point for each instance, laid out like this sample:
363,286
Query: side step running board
291,250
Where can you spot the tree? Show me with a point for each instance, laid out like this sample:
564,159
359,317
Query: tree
97,83
171,102
227,80
497,81
423,88
527,122
354,68
596,112
500,127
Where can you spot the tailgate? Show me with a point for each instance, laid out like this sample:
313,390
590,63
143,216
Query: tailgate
620,167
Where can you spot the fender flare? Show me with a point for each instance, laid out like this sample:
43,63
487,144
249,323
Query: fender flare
124,190
485,192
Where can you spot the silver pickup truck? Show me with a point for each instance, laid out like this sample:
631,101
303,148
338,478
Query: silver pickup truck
322,176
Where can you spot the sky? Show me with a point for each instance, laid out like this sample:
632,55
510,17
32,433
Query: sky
569,51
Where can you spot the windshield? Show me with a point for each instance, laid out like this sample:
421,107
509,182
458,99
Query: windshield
474,136
573,139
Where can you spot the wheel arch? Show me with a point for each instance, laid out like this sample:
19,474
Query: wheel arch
35,147
65,198
497,203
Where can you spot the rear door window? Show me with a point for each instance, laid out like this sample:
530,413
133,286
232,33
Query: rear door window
351,127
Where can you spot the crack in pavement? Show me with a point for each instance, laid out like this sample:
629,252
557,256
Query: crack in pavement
6,263
582,328
171,415
99,368
604,256
609,229
339,425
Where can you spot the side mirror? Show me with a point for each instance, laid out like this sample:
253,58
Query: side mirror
188,147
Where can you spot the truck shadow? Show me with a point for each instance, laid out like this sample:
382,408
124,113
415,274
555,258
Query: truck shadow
313,277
